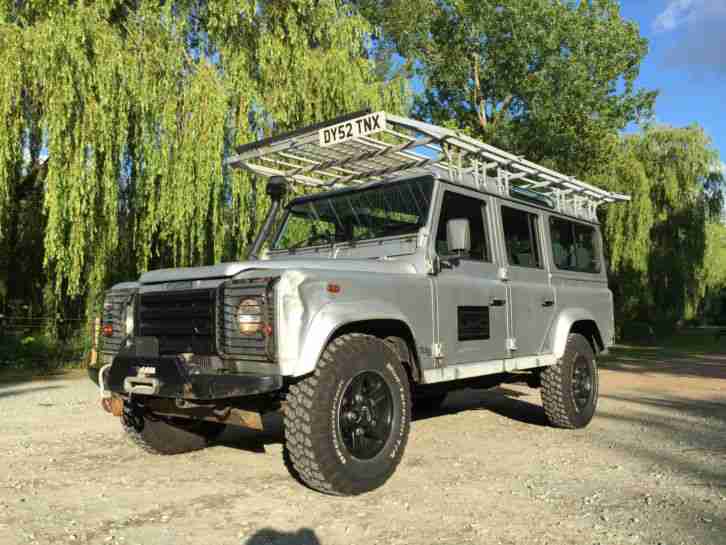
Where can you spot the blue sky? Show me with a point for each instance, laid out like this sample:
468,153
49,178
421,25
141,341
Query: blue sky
686,61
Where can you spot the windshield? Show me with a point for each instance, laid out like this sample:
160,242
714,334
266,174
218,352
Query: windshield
399,208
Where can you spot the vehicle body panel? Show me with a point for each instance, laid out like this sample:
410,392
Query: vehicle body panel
394,279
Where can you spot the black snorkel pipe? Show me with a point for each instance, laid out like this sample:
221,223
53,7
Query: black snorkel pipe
276,190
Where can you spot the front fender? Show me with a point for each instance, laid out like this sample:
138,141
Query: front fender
332,317
563,325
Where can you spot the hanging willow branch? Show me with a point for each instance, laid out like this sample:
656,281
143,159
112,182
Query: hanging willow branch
137,105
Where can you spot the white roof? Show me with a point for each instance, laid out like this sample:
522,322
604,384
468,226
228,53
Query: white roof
369,146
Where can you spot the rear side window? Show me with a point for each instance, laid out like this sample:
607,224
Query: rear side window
574,246
457,206
520,235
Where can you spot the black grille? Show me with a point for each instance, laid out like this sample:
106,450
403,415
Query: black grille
114,313
258,347
182,320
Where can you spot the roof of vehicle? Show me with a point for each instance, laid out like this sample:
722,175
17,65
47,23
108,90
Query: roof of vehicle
367,147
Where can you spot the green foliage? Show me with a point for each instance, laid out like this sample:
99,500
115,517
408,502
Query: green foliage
663,247
136,104
552,80
42,352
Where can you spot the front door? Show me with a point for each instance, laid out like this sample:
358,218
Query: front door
531,296
471,301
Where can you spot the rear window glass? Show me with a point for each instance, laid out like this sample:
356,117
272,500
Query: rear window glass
575,246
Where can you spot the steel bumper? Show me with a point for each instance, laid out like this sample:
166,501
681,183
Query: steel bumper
171,377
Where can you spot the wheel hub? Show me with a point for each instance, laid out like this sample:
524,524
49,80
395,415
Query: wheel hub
365,415
582,383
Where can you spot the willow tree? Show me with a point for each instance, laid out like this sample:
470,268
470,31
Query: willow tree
121,114
658,244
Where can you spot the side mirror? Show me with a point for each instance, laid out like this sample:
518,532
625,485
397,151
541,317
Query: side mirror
458,235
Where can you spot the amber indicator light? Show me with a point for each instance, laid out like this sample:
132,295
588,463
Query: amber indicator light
333,288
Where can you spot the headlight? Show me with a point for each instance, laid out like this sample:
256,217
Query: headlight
249,317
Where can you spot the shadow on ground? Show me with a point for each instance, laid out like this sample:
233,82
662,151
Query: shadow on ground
644,360
501,401
268,536
12,391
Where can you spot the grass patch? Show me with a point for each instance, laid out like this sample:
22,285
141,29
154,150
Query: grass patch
685,343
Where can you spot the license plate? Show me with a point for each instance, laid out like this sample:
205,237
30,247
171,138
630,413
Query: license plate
355,128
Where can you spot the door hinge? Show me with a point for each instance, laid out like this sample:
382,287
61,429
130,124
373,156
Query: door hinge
437,350
511,343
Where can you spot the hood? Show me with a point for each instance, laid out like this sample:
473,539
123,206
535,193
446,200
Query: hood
227,270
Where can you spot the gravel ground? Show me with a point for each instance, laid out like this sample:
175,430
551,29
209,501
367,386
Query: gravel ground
650,469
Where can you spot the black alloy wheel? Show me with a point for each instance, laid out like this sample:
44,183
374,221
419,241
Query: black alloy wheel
582,383
365,415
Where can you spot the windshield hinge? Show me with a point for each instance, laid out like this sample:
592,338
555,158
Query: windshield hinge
437,350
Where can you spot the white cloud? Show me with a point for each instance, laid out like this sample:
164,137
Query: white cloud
675,13
696,30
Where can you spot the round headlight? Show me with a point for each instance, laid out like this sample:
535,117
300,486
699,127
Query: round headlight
249,316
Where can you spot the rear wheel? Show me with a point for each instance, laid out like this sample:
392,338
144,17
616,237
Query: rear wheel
570,388
347,424
166,435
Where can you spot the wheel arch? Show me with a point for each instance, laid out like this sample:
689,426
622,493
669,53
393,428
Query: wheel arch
577,321
396,333
386,323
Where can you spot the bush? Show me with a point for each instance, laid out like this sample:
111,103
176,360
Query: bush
638,332
40,352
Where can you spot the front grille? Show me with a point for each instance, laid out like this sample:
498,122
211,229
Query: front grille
114,313
257,347
182,320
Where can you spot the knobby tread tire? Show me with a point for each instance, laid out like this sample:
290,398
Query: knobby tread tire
160,436
309,420
557,392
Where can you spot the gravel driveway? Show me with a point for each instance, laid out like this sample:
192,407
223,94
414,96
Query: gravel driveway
650,469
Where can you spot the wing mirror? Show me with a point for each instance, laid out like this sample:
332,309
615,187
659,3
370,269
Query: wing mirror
458,240
458,236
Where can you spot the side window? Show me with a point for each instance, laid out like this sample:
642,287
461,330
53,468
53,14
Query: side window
574,246
520,235
457,206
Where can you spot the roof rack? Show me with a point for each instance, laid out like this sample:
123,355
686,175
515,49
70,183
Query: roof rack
374,146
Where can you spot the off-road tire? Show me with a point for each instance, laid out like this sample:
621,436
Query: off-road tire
558,395
314,442
164,435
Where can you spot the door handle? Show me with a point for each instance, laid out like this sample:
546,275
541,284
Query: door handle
497,302
548,303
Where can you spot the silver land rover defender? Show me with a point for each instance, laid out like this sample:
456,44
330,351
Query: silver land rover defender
422,261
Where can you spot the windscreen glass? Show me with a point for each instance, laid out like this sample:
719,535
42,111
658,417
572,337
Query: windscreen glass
399,208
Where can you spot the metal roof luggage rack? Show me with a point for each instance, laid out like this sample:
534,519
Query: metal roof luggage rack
373,146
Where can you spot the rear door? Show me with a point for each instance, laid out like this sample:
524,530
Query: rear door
530,293
470,299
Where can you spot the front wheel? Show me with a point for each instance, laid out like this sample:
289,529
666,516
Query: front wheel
347,424
570,388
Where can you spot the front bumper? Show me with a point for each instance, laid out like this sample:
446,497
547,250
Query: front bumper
172,377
